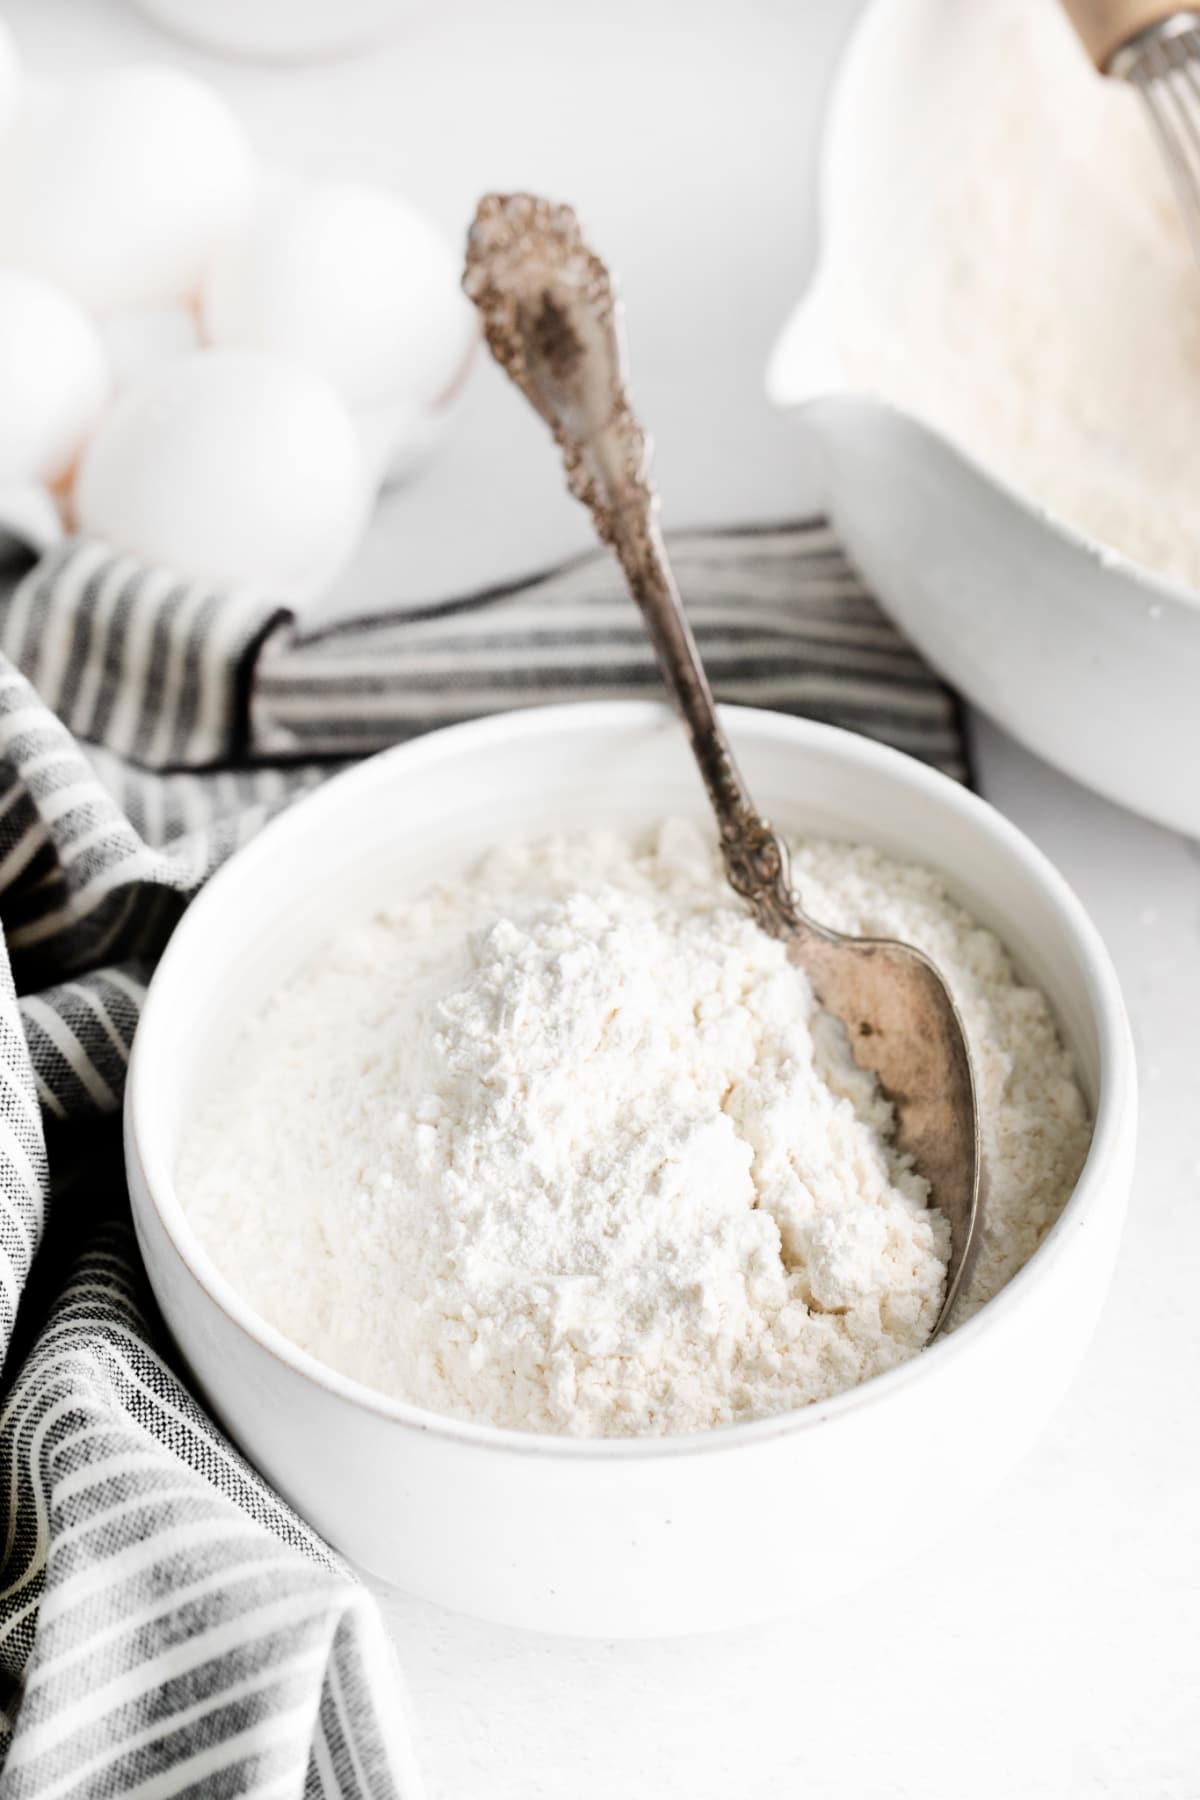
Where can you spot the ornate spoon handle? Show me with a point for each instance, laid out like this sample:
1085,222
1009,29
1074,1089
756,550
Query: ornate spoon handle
552,321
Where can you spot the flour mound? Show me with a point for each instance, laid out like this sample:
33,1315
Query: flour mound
568,1146
1044,243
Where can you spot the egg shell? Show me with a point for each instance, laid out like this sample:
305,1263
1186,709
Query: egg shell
231,465
137,337
29,515
121,186
397,439
279,30
350,280
53,378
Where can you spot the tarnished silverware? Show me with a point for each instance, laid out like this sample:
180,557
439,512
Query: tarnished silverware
551,320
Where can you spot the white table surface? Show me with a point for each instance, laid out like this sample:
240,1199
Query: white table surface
1051,1647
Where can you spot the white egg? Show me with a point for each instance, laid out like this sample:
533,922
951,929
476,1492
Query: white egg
393,439
10,76
399,439
121,186
137,337
232,465
28,514
53,378
283,30
351,281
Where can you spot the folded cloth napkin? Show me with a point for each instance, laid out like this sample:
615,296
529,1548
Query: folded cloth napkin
167,1624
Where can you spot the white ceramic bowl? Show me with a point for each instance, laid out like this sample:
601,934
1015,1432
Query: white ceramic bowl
1086,657
632,1537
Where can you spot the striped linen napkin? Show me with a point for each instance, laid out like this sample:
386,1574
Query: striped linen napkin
167,1624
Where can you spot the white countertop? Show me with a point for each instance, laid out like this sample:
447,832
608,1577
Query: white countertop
1052,1646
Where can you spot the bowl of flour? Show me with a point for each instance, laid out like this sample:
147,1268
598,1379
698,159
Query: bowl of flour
530,1226
999,358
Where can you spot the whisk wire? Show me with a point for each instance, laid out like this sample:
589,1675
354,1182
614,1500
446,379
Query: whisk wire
1164,67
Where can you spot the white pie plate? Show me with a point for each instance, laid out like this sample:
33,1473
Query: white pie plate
632,1537
1087,658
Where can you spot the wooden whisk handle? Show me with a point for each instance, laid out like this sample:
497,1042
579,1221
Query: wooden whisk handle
1103,26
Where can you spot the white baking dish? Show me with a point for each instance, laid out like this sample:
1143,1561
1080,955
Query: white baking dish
1089,659
631,1537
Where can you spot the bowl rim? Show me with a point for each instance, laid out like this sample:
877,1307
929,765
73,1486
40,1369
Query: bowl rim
842,115
1113,1124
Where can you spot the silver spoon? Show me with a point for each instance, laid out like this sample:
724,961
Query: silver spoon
551,320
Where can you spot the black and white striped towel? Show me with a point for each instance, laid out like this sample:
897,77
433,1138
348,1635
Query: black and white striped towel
167,1625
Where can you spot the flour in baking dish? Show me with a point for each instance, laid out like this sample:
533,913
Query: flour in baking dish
1039,302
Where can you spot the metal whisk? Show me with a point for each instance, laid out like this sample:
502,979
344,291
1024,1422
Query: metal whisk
1156,49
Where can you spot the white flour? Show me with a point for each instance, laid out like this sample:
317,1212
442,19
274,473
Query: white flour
567,1146
1041,305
